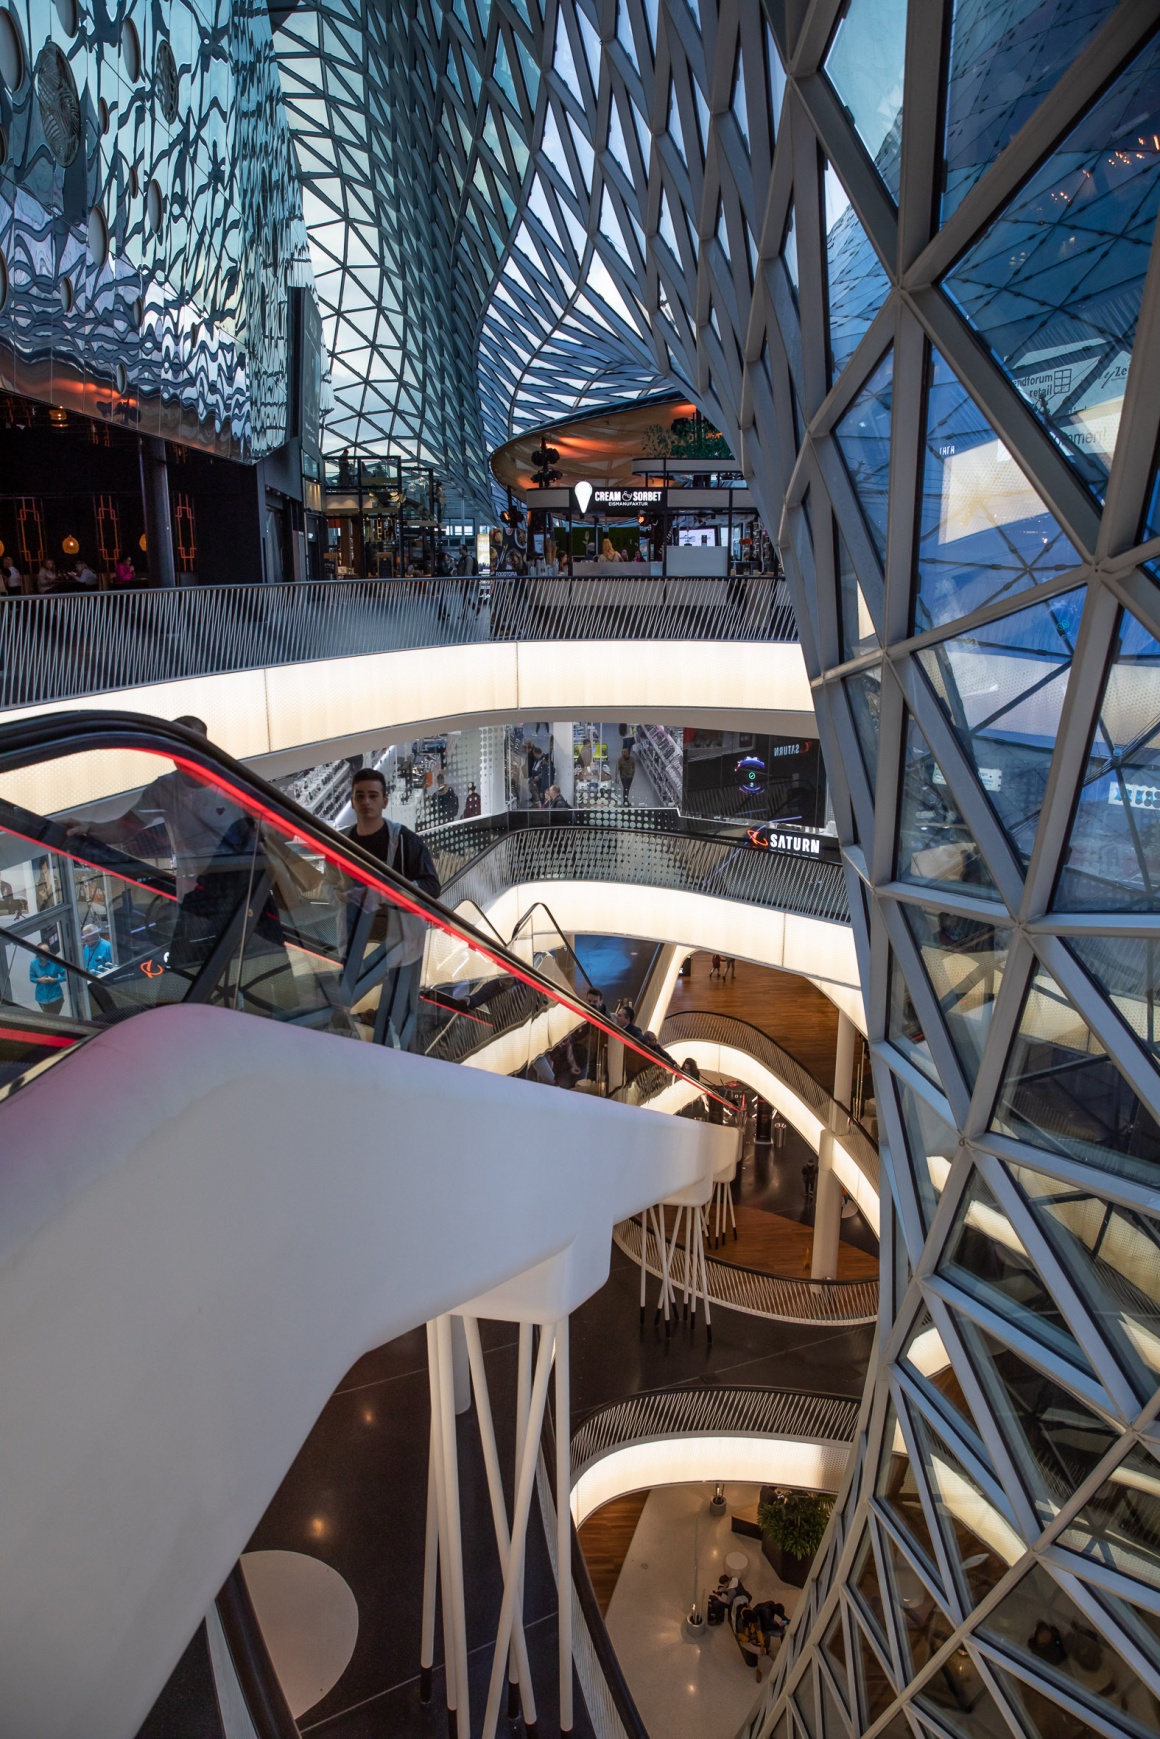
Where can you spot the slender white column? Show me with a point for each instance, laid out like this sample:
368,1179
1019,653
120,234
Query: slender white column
564,1519
430,1574
498,1506
520,1511
449,1649
828,1207
523,1403
453,1557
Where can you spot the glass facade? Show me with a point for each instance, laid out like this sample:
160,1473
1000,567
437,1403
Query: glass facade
151,226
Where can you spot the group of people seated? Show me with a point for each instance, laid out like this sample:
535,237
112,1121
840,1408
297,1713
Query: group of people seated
757,1626
80,577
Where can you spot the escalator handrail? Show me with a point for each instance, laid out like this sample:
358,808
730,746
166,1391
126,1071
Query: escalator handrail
258,1680
52,736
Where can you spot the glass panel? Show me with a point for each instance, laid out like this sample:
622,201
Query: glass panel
1062,1090
163,876
1113,858
1003,687
924,1626
984,533
1054,285
1120,1525
898,1489
1040,1715
865,66
876,1693
958,1696
904,1029
1038,1622
856,283
964,960
789,253
933,1144
834,1647
1127,970
1004,60
833,1723
864,691
863,437
1112,1254
987,1259
865,1581
926,1353
806,1707
1056,1437
981,1539
858,632
935,845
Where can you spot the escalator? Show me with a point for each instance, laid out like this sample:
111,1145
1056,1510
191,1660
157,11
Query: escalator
140,867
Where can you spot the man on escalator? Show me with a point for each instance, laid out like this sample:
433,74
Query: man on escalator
392,843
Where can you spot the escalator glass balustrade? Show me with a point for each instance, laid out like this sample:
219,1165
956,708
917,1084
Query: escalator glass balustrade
140,866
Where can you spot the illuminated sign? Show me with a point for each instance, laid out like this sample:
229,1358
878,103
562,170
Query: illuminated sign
750,772
626,497
766,839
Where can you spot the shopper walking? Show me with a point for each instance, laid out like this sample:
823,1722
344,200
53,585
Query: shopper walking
626,771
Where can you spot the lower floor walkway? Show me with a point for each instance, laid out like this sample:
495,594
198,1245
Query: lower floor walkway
354,1499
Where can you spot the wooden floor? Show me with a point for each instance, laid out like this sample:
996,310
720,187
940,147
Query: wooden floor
605,1539
777,1245
792,1011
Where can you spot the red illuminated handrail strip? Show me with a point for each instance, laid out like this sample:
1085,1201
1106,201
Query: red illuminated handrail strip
52,736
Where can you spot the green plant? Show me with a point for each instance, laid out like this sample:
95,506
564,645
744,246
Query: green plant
796,1521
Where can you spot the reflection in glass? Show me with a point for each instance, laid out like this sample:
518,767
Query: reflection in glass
875,1691
918,1615
1003,688
933,1144
964,961
856,284
834,1647
1054,286
984,532
1063,1091
1056,1437
863,437
935,845
865,1581
1040,1715
926,1353
1119,1526
1112,1255
958,1696
864,690
904,1029
865,66
898,1490
858,632
986,1257
1004,59
982,1543
1127,970
1113,856
789,257
1038,1622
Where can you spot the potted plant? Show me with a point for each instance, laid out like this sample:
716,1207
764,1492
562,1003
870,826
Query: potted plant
792,1526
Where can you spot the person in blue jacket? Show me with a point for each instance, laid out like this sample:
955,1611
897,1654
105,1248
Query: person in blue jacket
50,978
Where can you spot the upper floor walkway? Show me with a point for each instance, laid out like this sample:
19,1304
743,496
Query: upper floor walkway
289,675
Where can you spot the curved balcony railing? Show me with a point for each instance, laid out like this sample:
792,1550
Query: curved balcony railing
723,1029
778,1297
61,648
659,848
693,1410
